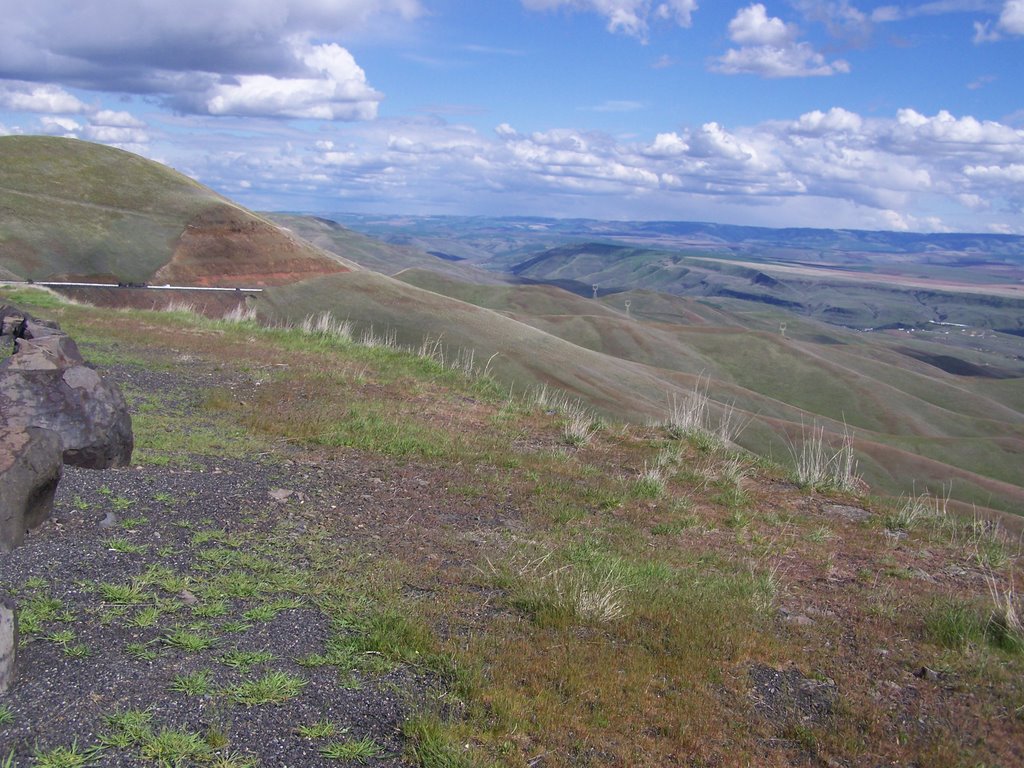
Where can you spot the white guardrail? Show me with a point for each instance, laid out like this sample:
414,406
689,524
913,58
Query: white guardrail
49,283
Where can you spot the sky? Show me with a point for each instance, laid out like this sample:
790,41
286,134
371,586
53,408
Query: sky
823,113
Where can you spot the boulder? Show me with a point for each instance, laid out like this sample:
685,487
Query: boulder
30,469
47,384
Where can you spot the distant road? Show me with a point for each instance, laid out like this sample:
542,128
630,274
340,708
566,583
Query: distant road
51,283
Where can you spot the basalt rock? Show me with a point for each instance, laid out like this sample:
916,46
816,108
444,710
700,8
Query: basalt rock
46,383
30,469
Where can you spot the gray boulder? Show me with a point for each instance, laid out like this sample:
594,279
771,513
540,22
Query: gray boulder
46,383
30,469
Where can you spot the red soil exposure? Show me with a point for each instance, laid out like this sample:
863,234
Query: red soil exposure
225,246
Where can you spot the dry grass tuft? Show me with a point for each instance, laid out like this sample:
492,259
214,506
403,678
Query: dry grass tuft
819,465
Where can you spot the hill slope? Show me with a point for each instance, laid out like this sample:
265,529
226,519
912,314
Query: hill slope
921,416
72,209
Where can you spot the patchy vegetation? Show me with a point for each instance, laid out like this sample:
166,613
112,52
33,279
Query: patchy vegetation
335,552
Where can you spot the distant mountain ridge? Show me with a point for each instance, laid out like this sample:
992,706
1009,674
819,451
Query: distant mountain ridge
693,234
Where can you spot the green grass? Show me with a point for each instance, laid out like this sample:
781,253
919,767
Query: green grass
6,714
243,661
322,729
359,750
126,729
141,651
189,641
193,684
66,757
123,594
175,747
274,687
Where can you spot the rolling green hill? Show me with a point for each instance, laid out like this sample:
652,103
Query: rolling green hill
923,413
72,209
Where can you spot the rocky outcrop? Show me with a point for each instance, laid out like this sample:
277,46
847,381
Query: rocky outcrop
30,469
45,383
54,410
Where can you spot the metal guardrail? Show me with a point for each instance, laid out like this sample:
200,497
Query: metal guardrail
168,287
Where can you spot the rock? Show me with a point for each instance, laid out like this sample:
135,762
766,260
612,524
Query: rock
856,514
30,468
109,520
8,644
927,673
46,383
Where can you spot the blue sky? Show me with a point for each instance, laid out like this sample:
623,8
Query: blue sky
841,113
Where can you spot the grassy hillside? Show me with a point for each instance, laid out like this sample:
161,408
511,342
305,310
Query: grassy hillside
330,553
922,415
375,254
839,298
80,210
915,423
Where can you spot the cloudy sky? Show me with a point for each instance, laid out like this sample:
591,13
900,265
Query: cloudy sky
841,113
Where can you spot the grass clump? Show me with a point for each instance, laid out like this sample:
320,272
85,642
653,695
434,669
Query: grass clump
66,757
359,750
823,467
649,483
432,744
322,729
193,684
186,640
273,688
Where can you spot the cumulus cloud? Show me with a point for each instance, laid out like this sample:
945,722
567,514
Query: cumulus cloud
865,171
769,48
630,17
228,57
31,97
336,89
752,26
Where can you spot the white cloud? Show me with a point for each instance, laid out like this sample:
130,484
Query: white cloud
233,56
752,26
60,126
1011,20
109,117
667,145
630,17
335,88
30,97
836,120
769,48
